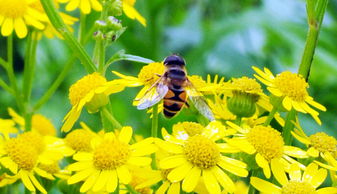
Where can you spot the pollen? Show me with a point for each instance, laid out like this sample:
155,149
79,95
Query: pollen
191,128
247,85
50,168
13,8
79,140
296,187
111,154
324,143
201,152
34,139
85,85
23,154
292,85
43,125
267,141
149,73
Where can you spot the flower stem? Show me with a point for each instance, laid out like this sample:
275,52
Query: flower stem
108,115
154,132
288,127
315,12
55,84
273,112
82,31
130,189
75,46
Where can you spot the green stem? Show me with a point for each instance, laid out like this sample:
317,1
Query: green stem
154,131
288,127
315,18
6,87
75,46
82,31
55,84
251,189
270,117
130,189
107,114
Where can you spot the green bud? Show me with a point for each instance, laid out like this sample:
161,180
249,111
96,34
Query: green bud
116,8
98,101
242,104
98,35
113,24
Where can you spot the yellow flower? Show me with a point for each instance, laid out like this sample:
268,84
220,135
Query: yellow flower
199,156
92,92
298,183
141,175
319,144
53,170
109,161
84,5
21,158
131,12
40,123
292,89
17,15
268,146
6,179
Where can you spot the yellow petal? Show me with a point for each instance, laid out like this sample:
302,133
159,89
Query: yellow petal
278,171
263,163
78,166
36,183
226,148
70,119
83,156
287,103
264,186
133,14
146,149
80,176
275,91
96,5
124,175
44,174
26,180
72,5
319,177
326,166
310,172
172,161
191,180
174,188
162,189
295,172
7,27
125,134
210,181
223,179
8,163
295,152
327,190
87,185
20,27
300,138
112,181
101,181
242,144
169,147
233,169
140,161
234,162
313,152
180,172
315,104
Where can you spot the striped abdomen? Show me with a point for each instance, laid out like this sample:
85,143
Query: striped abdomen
174,100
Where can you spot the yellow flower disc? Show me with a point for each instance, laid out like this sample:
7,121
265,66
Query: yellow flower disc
23,154
292,85
267,141
148,74
247,85
50,168
43,125
111,154
13,8
85,85
79,140
191,128
324,143
295,187
34,139
201,152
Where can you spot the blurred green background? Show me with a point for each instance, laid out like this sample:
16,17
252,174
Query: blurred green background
214,36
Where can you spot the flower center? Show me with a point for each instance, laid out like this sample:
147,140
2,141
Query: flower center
79,140
147,74
43,125
85,85
13,8
247,85
23,154
50,168
295,187
267,141
292,85
111,154
324,143
191,128
34,139
201,152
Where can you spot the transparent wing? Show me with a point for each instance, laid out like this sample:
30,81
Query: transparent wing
199,101
153,95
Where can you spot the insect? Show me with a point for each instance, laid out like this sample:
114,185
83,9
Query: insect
174,87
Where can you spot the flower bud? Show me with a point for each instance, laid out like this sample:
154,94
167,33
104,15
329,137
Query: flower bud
113,24
98,101
116,8
243,104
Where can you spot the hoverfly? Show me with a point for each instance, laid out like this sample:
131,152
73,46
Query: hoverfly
174,88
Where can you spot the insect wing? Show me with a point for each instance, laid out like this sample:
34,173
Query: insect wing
153,96
199,102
